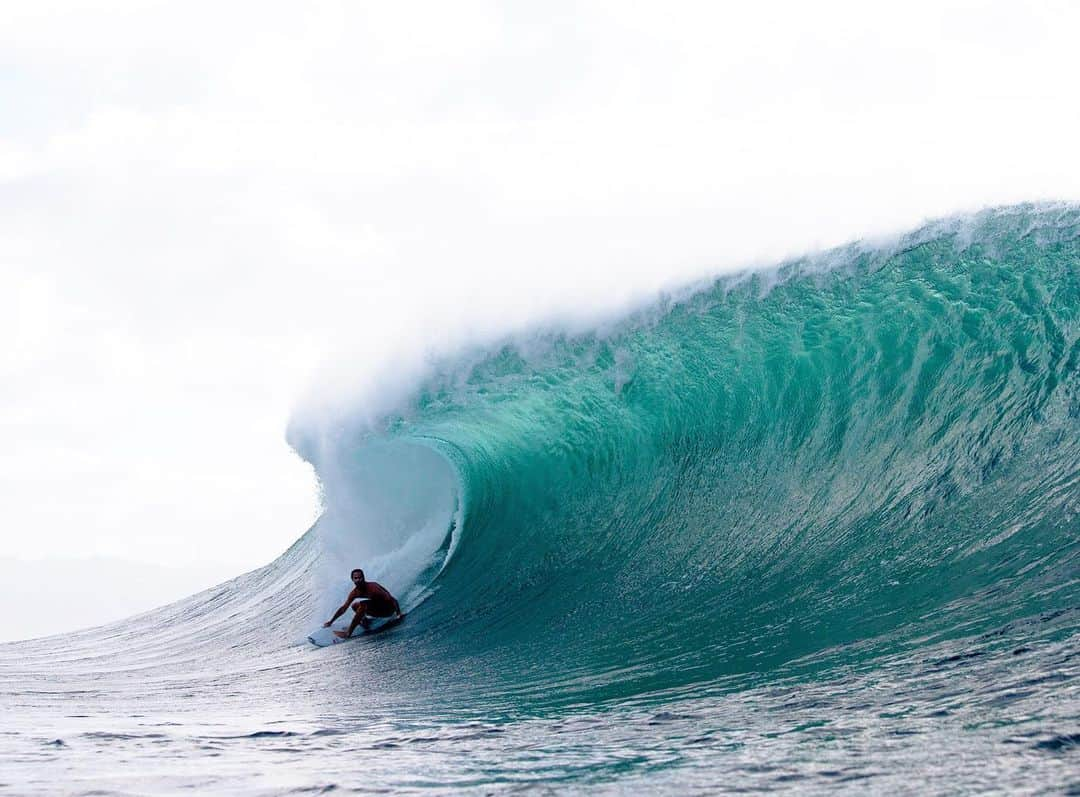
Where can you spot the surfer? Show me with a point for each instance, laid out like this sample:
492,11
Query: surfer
369,600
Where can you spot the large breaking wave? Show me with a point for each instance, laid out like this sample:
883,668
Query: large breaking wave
848,455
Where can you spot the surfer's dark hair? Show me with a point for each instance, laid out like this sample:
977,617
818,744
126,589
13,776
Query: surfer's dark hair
357,570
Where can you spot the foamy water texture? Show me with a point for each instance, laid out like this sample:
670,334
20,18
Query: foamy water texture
809,529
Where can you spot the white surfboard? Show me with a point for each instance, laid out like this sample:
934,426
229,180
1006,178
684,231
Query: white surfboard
324,637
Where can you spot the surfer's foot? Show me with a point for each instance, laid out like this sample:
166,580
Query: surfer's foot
341,634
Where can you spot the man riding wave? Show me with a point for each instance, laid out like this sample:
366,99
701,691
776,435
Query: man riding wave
369,601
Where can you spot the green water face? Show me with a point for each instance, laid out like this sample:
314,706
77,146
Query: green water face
849,456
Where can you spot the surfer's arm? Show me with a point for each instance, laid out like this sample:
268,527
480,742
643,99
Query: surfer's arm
393,600
341,610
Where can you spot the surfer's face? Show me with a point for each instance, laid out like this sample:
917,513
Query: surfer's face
357,579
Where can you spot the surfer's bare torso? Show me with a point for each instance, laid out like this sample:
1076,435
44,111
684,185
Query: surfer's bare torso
380,603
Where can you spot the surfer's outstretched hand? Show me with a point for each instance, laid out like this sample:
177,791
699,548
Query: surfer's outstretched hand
327,623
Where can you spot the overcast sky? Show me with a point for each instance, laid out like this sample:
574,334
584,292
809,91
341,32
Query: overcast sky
202,205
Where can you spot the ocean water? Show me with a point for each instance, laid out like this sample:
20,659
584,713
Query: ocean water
807,529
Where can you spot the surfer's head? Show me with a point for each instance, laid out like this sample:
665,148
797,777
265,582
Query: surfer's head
357,576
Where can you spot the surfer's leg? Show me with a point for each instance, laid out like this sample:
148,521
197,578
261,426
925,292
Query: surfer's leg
360,616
